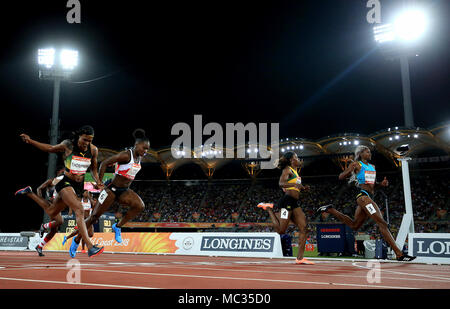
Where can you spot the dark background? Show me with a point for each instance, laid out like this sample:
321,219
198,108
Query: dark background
311,66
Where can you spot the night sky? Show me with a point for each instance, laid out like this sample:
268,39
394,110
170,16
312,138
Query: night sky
311,66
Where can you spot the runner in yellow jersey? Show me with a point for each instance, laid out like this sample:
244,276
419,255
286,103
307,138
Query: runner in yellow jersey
290,211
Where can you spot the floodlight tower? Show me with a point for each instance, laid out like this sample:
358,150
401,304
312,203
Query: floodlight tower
56,65
399,40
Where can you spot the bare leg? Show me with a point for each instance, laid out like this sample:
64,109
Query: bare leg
299,219
99,209
68,197
136,204
360,218
374,212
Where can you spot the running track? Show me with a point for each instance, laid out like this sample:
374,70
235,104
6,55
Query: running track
26,270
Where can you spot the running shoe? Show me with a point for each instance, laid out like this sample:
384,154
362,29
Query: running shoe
265,205
24,190
39,250
73,248
118,233
322,209
304,261
406,258
95,251
64,240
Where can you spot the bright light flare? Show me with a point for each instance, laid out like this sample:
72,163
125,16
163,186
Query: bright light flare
69,59
410,25
46,57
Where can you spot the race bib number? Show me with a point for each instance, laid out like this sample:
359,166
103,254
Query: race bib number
371,209
102,197
370,177
284,213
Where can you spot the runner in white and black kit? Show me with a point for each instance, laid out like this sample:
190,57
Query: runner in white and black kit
127,165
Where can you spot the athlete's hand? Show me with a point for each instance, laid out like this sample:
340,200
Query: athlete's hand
306,188
25,138
385,182
99,186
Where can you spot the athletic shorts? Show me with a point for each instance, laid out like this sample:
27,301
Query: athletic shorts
116,190
288,202
78,187
364,192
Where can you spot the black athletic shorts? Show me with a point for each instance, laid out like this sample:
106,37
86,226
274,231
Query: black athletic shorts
288,202
116,190
78,187
364,192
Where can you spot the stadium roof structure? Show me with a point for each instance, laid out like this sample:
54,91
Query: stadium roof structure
339,147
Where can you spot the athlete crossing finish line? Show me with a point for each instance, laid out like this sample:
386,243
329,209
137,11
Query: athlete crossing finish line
127,165
79,154
363,175
291,183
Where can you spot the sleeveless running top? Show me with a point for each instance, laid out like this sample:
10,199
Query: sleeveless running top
130,169
367,174
86,205
294,179
78,161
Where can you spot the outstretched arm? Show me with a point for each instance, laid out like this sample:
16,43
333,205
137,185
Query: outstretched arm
45,147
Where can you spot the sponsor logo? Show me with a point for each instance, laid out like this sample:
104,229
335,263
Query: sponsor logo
432,247
188,243
239,244
330,230
13,241
330,236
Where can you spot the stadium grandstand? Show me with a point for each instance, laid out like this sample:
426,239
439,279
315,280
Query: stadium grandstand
207,193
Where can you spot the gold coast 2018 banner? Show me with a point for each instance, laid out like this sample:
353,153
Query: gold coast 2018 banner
131,242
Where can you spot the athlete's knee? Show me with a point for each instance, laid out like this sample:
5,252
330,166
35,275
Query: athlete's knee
382,224
59,220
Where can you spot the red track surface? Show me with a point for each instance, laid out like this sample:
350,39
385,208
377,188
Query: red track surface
26,270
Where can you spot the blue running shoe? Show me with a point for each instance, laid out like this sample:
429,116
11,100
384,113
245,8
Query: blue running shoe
73,248
24,190
64,240
117,231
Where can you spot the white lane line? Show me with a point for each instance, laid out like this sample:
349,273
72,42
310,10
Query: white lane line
405,274
70,283
251,279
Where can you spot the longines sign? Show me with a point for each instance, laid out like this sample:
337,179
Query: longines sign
430,247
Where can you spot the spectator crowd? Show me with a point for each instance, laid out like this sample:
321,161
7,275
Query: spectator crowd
235,201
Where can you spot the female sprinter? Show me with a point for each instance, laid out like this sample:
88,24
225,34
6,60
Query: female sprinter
128,164
86,202
291,184
363,175
78,154
51,227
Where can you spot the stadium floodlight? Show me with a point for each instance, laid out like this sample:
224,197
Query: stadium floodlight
68,59
408,26
400,39
46,57
55,64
